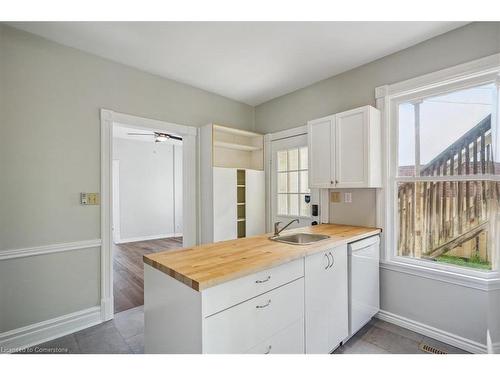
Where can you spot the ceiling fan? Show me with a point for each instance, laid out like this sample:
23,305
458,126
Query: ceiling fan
159,137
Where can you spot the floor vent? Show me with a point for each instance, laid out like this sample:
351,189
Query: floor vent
430,349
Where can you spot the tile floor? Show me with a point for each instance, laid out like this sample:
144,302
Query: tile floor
125,334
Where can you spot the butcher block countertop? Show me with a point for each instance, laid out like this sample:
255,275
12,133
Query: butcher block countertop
203,266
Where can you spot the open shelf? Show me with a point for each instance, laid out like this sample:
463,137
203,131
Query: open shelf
237,146
234,148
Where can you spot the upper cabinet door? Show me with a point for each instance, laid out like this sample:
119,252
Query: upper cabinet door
351,154
320,152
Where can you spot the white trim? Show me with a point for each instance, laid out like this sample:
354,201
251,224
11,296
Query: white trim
190,188
388,96
147,238
432,332
293,132
463,277
48,249
34,334
485,66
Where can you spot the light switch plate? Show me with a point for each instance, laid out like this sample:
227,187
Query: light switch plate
348,197
89,199
335,197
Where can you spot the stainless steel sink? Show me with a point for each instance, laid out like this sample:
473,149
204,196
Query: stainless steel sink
300,238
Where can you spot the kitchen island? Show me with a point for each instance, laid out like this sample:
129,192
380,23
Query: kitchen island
249,295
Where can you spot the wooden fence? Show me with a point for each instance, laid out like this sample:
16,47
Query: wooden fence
438,217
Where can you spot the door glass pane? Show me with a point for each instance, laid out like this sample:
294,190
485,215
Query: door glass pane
293,201
303,158
282,161
293,159
304,207
304,183
282,204
293,182
282,182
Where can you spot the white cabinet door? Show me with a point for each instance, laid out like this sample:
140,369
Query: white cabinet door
224,182
326,304
255,207
320,152
351,151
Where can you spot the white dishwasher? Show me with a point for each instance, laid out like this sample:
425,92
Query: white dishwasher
364,293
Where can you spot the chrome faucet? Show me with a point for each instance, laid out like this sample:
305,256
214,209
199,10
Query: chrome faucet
277,231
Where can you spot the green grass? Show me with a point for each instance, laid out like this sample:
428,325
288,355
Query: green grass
473,262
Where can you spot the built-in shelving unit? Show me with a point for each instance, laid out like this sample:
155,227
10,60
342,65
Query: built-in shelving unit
232,183
241,202
234,148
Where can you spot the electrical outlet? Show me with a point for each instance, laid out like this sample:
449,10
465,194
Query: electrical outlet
348,197
335,197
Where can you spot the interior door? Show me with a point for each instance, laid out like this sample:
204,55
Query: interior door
290,194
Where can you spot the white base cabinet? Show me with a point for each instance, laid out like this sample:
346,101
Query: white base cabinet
326,293
297,307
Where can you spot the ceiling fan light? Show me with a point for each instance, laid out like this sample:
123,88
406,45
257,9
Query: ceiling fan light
162,137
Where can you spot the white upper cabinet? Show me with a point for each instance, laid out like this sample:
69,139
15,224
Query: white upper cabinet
320,152
345,150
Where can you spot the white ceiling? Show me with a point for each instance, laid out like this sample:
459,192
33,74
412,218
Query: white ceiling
251,62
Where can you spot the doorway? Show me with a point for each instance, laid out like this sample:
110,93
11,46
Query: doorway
148,201
290,196
147,205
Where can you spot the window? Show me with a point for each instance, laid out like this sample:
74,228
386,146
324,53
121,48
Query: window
445,196
292,182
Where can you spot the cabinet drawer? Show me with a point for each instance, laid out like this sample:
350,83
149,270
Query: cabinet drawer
241,327
288,341
222,296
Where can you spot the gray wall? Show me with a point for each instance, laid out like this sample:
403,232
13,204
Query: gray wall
50,96
357,87
452,308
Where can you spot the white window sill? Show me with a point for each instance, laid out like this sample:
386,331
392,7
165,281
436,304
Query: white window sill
482,280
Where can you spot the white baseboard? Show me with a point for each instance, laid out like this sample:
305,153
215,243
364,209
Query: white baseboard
432,332
47,330
147,238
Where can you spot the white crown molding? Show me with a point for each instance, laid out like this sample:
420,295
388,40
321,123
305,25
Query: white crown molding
34,334
48,249
432,332
485,67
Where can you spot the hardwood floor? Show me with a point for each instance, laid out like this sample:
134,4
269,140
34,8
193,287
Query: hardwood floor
128,269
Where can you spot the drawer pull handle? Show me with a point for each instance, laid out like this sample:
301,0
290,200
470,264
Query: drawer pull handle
333,261
263,281
328,260
263,306
268,349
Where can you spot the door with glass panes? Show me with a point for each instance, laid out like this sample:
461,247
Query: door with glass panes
290,194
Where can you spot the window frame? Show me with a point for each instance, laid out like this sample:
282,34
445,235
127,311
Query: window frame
389,97
287,172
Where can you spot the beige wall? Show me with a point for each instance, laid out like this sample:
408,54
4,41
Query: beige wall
50,96
452,308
